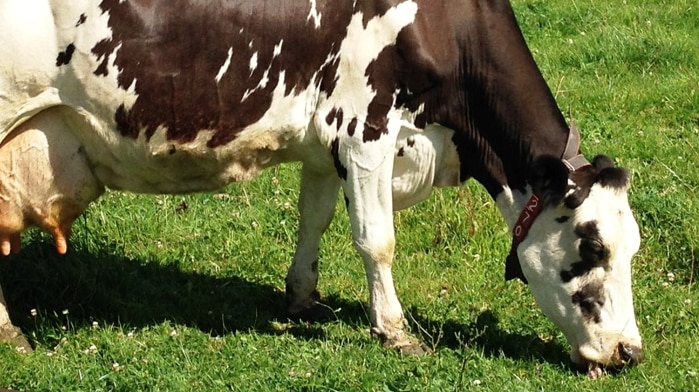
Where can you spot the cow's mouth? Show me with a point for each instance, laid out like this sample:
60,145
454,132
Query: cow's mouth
594,370
624,355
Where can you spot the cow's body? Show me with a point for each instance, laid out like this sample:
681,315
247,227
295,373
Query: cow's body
384,98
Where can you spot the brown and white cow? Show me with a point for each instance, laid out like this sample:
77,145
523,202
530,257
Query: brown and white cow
382,98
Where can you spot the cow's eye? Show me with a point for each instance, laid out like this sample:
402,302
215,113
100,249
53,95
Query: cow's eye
562,219
592,250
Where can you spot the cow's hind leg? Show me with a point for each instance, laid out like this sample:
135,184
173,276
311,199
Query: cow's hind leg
8,332
317,201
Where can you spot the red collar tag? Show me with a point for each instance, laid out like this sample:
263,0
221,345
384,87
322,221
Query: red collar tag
526,218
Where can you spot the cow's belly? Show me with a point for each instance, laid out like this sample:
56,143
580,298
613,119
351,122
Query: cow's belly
162,166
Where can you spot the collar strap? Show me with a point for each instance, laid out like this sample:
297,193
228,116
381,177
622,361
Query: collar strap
573,160
526,218
571,156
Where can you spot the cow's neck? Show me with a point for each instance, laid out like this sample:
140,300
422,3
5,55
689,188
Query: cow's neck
513,117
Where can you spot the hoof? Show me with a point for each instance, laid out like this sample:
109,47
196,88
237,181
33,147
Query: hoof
417,349
402,343
13,335
311,310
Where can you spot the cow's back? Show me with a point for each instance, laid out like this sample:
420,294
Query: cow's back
174,97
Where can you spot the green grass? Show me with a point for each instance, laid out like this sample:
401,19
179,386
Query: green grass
155,296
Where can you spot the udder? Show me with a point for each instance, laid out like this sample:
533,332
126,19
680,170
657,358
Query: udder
45,181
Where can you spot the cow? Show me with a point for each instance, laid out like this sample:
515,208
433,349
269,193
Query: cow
384,99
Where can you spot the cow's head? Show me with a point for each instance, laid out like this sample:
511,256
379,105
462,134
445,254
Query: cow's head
576,258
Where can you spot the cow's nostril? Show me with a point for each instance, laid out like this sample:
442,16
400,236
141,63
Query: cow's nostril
631,355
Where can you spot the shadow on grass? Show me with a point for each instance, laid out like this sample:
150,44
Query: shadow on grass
485,334
136,293
110,289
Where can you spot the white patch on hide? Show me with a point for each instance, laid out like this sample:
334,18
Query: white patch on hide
226,64
278,49
314,14
253,63
261,85
352,92
264,80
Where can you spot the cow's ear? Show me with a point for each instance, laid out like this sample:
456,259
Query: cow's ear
608,175
601,171
512,267
548,177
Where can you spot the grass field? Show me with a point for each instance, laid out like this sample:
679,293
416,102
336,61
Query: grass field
170,293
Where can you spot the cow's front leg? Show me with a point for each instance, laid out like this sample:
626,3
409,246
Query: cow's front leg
8,332
370,207
317,201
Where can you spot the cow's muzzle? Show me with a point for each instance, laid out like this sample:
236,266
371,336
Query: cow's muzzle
629,354
624,356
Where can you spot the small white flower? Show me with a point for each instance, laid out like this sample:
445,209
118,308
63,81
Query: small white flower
670,276
476,382
64,312
95,325
90,350
173,332
687,301
33,312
